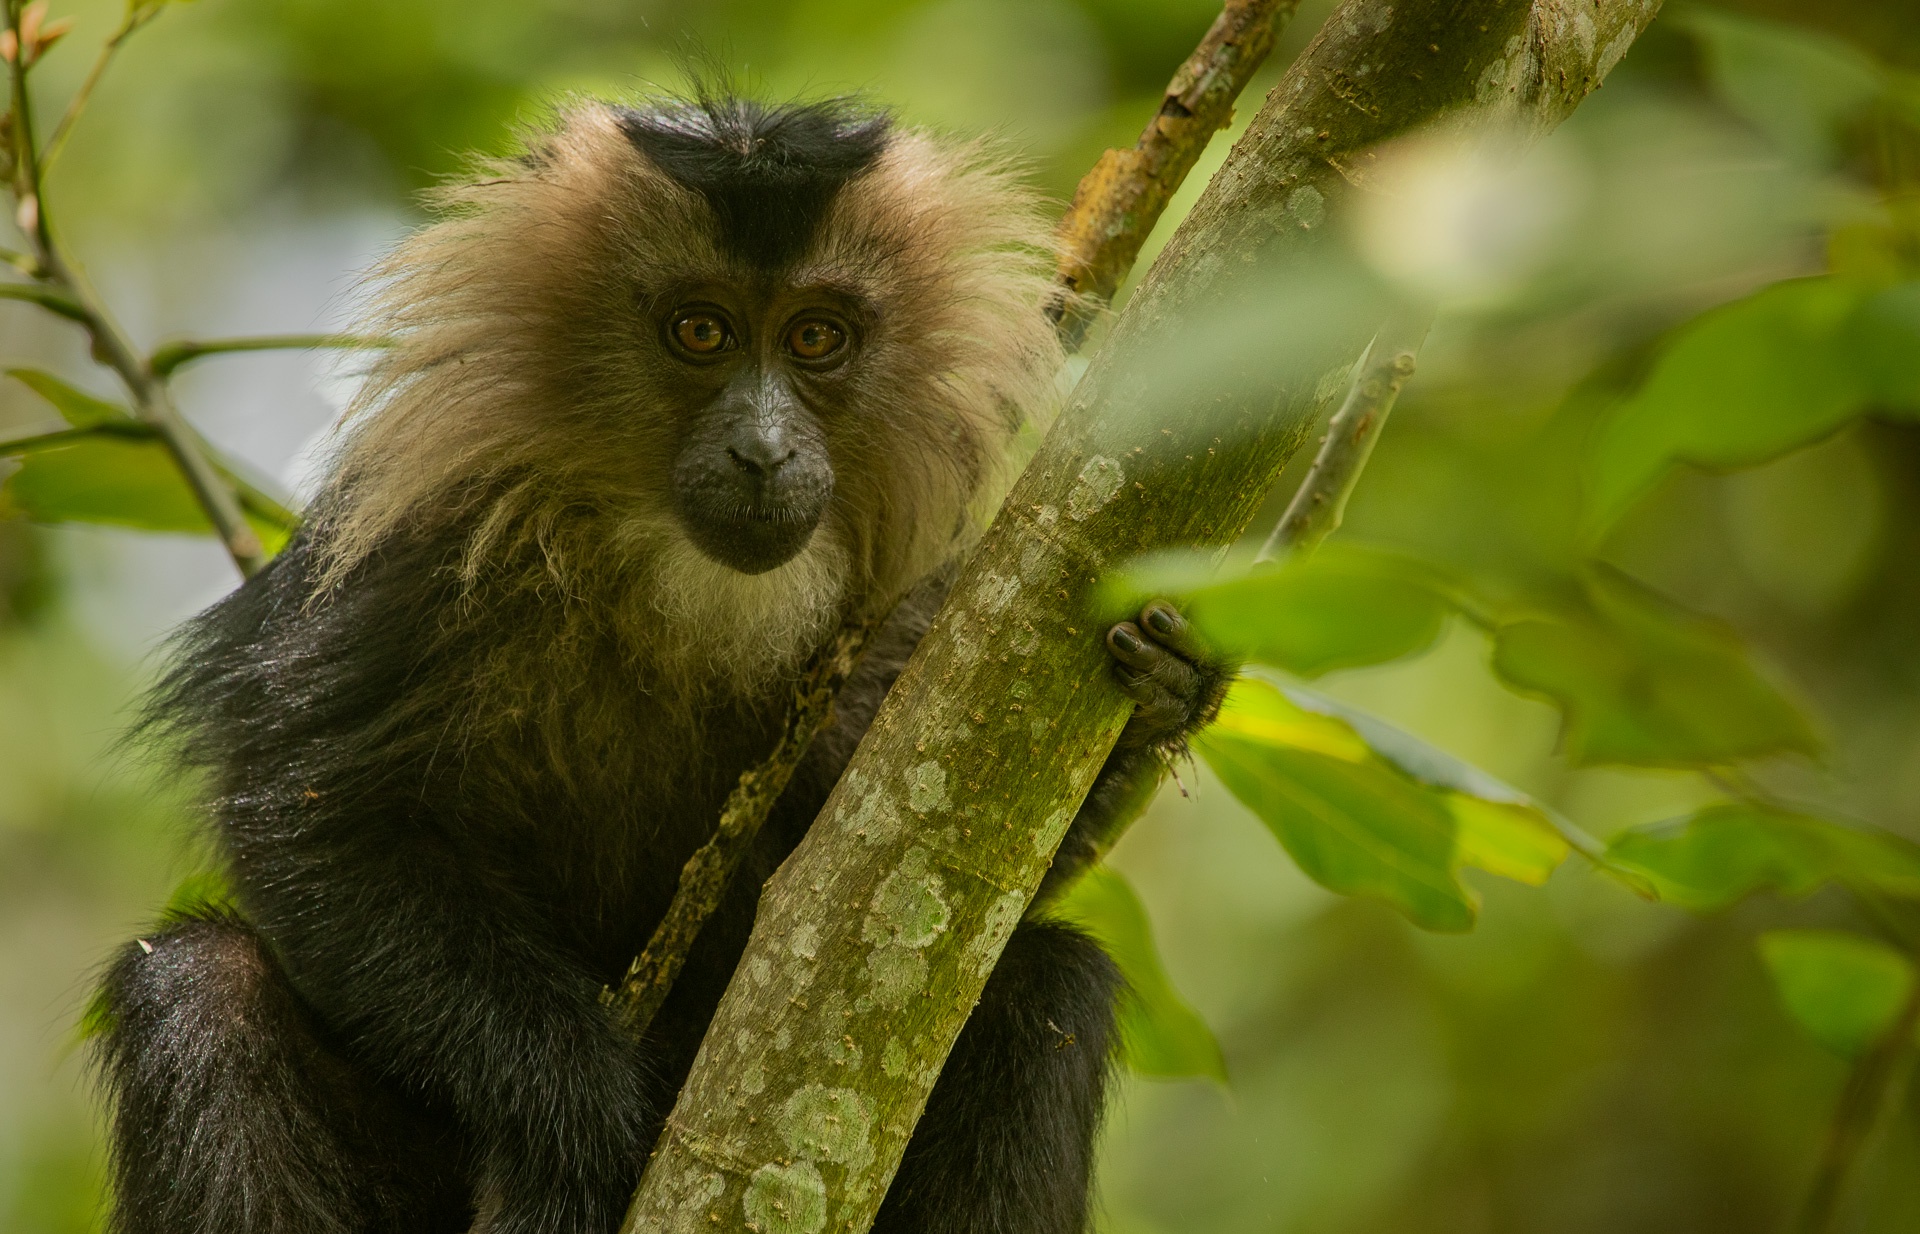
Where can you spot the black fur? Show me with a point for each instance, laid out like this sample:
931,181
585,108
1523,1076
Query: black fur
1012,1118
412,1036
769,171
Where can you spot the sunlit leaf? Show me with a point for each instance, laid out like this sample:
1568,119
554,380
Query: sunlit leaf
1645,682
1845,990
1499,829
1726,852
1163,1034
1757,378
76,407
1352,823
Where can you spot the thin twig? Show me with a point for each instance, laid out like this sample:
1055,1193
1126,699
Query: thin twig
1114,208
51,299
54,439
1321,500
705,877
1874,1078
1119,201
151,401
170,356
136,18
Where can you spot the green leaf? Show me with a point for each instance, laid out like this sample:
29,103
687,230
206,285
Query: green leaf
1644,682
1755,379
34,442
200,892
107,479
76,407
1163,1035
119,473
1499,829
1845,990
209,889
1726,852
1357,823
1342,607
1794,83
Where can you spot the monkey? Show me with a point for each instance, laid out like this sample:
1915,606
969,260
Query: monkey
670,395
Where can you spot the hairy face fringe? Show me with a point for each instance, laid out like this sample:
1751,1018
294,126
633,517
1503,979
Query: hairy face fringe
525,409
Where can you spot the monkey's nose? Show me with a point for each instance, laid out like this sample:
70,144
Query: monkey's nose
760,455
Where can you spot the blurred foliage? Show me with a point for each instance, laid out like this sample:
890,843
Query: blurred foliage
1161,1034
1639,541
1846,991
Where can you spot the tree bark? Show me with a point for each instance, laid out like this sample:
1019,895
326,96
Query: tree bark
874,940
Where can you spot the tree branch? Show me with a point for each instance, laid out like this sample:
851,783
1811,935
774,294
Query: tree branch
704,879
1117,204
876,937
1321,500
71,298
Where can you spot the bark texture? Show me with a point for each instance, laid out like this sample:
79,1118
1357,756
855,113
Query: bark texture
1118,202
875,939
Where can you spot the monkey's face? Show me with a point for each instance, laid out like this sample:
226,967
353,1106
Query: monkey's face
763,369
760,359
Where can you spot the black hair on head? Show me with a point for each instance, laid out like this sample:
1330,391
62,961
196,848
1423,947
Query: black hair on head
768,171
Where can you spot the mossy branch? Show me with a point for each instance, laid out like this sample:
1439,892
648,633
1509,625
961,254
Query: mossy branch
1115,206
874,940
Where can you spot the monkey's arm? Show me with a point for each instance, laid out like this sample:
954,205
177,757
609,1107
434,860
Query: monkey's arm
443,980
1177,686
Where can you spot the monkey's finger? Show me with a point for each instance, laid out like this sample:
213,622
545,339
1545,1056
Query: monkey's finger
1133,648
1162,669
1138,686
1166,625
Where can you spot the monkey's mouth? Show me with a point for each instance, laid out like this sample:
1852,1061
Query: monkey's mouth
749,516
751,538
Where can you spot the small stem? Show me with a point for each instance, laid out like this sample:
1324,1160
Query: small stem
705,877
1117,203
1874,1078
1321,500
61,131
170,356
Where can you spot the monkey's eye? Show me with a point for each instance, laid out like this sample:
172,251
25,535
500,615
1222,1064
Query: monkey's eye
815,339
703,334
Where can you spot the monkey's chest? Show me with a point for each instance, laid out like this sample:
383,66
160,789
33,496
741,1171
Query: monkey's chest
605,860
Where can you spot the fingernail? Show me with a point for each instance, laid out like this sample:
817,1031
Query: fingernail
1161,620
1126,639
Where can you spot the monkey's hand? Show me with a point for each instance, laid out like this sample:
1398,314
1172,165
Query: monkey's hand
1175,682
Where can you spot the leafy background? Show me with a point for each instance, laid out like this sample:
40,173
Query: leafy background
1640,542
